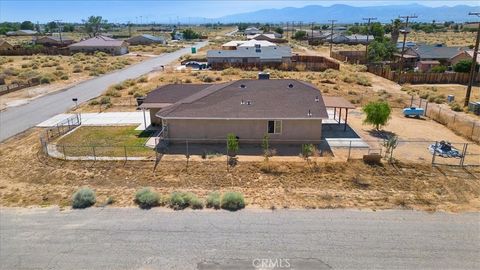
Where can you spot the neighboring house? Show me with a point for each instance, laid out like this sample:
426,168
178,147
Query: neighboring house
267,37
145,39
50,41
22,33
438,52
232,45
287,110
464,55
100,43
351,39
251,52
5,46
252,31
408,44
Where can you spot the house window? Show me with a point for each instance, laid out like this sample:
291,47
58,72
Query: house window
274,127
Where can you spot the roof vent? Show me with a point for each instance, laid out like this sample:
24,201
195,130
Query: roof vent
243,85
309,114
242,102
249,102
290,85
317,99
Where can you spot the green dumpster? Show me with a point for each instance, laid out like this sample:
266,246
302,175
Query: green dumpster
194,50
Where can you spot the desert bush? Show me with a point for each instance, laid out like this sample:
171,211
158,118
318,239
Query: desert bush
113,93
93,102
230,71
146,198
46,79
214,200
137,94
363,80
83,198
11,72
232,201
64,77
182,200
142,79
105,100
187,80
118,86
456,107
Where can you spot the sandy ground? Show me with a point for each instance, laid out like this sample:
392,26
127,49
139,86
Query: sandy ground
28,178
25,95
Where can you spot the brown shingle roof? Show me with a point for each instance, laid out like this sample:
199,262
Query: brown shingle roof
99,41
251,99
172,93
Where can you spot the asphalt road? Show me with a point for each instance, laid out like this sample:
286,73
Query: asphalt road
14,120
128,238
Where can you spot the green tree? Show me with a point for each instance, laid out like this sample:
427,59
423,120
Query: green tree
438,69
377,30
279,30
27,25
378,113
51,27
232,144
190,34
463,66
381,50
300,35
93,25
395,30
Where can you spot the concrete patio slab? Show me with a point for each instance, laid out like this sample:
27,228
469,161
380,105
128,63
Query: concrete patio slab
104,119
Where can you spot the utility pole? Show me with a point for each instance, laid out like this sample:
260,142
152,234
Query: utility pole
474,63
405,32
59,29
331,35
369,19
311,36
286,31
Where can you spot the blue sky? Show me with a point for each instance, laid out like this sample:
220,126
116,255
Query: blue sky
161,10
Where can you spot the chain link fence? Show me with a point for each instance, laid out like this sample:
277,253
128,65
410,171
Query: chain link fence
458,122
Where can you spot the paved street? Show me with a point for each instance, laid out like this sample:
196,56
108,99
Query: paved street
18,119
129,238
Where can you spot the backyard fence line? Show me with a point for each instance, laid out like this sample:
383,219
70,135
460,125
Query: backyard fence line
457,122
62,127
407,151
419,78
352,57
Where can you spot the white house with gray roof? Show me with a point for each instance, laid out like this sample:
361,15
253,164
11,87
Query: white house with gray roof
146,39
102,44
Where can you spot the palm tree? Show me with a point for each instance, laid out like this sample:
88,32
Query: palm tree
396,24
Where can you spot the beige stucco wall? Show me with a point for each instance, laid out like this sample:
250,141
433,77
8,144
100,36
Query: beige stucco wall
156,121
254,130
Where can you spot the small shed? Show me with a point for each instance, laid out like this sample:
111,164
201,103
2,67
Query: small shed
146,39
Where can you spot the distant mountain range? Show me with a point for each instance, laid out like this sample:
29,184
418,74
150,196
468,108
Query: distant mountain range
350,14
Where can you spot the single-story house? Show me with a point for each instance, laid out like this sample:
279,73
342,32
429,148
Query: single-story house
49,41
252,31
438,52
464,55
246,54
271,37
178,36
289,111
5,46
100,43
22,33
351,39
145,39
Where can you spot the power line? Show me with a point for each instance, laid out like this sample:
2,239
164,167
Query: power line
405,32
331,36
474,62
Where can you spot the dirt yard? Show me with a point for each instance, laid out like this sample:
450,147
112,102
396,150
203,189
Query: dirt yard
55,72
27,178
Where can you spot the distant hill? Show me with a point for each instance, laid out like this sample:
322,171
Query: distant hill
350,14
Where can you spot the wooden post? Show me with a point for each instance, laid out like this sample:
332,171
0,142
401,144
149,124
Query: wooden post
125,148
346,117
349,150
64,153
464,153
94,155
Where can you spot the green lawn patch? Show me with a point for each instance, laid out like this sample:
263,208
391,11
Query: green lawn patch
106,141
